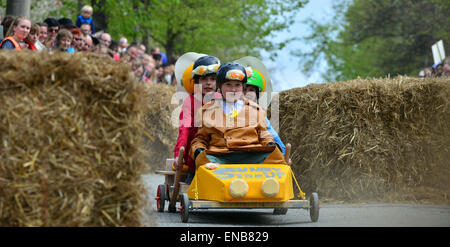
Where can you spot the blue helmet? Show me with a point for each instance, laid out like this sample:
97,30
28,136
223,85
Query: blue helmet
231,72
204,66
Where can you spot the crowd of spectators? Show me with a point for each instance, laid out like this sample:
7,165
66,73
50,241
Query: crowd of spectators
148,66
62,35
440,69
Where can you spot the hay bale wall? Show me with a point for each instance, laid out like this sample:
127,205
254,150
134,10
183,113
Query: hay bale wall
158,121
380,139
361,140
75,131
70,141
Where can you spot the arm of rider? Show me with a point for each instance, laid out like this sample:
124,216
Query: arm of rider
197,152
264,135
200,141
274,144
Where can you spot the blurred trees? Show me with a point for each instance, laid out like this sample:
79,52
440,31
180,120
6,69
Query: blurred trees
226,28
374,38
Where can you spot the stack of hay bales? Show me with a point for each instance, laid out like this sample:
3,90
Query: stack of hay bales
378,139
161,121
71,129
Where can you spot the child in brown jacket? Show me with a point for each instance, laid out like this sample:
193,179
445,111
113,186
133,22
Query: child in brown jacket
233,129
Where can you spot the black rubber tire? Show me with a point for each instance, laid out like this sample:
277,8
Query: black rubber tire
314,207
161,195
184,212
167,193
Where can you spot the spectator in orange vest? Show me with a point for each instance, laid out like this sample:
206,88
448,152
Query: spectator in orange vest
17,32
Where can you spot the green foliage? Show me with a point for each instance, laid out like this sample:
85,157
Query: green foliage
226,28
374,38
67,9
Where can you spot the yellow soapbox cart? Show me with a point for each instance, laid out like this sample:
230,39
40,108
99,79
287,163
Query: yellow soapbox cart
234,186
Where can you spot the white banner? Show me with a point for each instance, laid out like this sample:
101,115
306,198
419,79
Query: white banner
438,51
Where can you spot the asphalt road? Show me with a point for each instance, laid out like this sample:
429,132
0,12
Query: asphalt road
331,215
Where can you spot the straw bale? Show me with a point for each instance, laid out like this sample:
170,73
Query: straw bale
161,120
71,129
379,139
375,139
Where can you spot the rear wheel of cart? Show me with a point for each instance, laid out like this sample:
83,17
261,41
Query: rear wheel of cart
167,192
314,207
161,197
185,208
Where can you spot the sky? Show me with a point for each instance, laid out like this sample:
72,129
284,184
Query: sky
285,70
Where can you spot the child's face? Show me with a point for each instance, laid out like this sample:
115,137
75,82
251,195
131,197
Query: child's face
33,37
250,92
232,90
64,43
207,84
86,14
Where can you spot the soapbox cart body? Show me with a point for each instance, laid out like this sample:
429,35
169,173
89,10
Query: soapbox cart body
234,186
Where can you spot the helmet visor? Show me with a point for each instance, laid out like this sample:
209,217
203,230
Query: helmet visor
204,70
235,75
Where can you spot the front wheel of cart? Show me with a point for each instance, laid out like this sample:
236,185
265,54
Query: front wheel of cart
160,197
314,207
184,208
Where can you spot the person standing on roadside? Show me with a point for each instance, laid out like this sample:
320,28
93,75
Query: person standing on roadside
53,29
78,39
64,40
33,37
18,31
43,29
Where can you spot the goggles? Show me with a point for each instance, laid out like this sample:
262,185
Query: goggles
203,69
235,75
